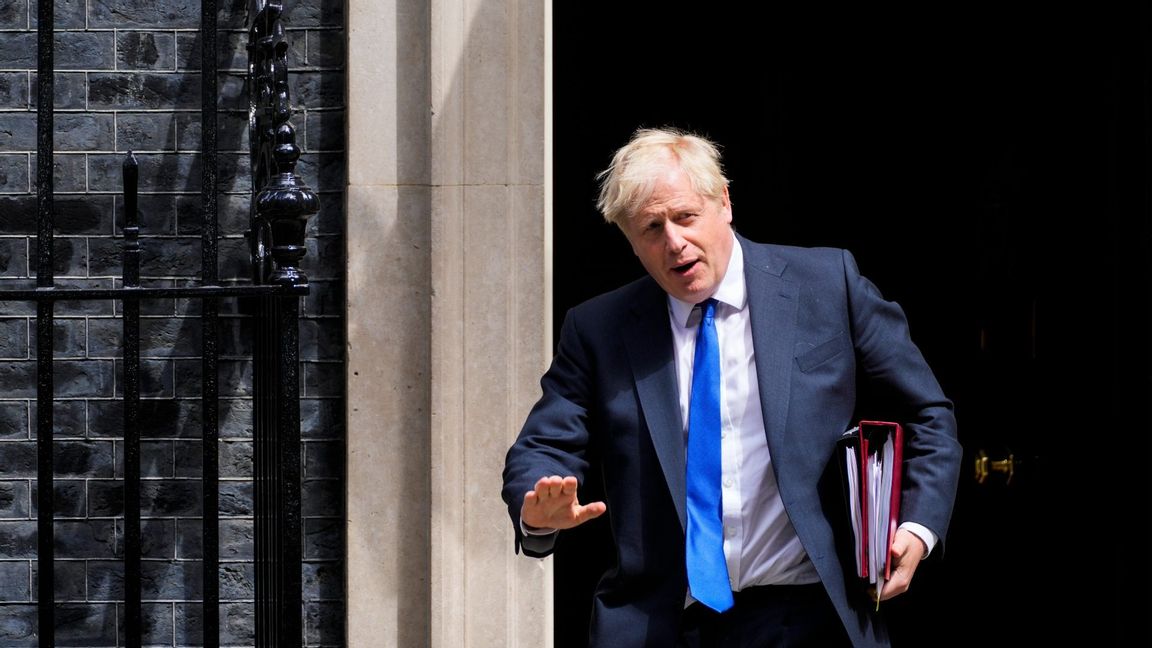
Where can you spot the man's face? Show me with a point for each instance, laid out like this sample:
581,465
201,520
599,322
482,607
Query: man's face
683,239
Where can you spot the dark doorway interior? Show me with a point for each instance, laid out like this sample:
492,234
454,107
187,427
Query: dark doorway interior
988,165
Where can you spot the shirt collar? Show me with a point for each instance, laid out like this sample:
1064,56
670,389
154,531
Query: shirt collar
731,291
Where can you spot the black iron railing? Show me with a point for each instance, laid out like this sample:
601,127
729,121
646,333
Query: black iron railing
280,207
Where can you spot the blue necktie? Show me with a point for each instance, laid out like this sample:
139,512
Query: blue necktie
707,569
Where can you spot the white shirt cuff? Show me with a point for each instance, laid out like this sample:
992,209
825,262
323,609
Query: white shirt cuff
919,530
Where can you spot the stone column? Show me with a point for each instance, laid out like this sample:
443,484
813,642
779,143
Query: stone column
448,303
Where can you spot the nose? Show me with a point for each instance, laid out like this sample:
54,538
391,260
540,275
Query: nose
674,239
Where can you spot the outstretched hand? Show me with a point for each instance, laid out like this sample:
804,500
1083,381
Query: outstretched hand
553,504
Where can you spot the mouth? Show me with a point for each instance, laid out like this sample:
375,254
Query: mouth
682,269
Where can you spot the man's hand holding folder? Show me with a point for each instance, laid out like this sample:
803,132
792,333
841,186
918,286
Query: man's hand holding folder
886,557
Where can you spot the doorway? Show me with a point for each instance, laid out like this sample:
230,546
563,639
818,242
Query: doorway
989,169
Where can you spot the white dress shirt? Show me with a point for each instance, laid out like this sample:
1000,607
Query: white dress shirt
760,544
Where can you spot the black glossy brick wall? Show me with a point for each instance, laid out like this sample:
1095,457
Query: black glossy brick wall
127,78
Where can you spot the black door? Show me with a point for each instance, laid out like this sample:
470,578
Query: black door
989,168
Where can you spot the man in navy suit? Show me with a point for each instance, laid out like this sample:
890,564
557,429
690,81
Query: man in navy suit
802,338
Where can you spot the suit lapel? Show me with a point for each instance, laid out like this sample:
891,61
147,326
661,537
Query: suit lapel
650,353
772,304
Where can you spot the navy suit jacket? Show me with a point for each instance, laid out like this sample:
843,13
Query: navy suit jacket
829,349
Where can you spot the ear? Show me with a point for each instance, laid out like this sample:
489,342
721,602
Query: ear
726,206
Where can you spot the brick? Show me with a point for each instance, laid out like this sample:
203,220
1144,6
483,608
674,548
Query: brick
159,337
157,538
83,458
14,173
237,540
84,538
313,13
189,458
69,498
83,131
69,339
17,215
321,498
326,297
68,172
231,216
325,49
68,418
15,581
237,624
145,50
18,50
157,172
316,89
156,459
231,133
330,218
236,336
123,14
169,579
234,378
76,50
155,214
188,624
14,88
235,459
13,341
237,581
143,90
84,306
156,625
18,538
323,538
18,625
236,419
13,15
231,51
70,257
236,498
159,258
159,418
18,379
145,132
13,308
322,339
83,379
318,262
321,418
67,14
324,623
85,624
69,91
157,497
189,538
324,131
323,580
323,379
86,214
323,460
14,499
19,132
69,581
19,459
14,420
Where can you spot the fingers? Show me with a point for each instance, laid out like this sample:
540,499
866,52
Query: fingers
552,503
907,549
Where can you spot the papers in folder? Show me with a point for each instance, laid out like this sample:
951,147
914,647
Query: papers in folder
872,456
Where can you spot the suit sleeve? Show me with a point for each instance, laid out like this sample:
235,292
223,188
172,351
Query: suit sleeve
554,439
896,378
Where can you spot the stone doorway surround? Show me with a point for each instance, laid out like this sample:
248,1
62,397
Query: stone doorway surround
448,297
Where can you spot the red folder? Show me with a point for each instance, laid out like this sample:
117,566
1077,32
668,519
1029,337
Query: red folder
872,456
